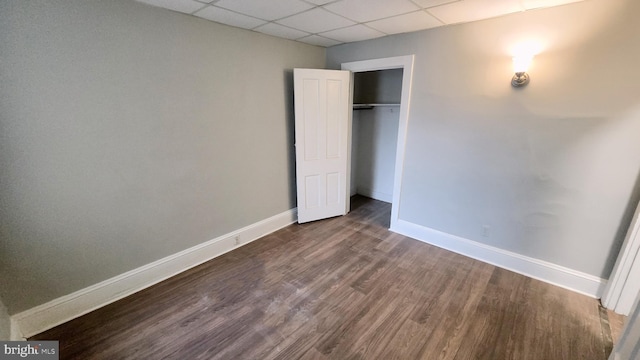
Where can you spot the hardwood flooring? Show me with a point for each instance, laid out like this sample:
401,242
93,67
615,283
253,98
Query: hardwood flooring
342,288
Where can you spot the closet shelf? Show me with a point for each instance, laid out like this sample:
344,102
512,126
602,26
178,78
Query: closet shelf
370,106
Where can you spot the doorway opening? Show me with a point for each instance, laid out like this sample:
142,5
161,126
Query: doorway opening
381,92
375,120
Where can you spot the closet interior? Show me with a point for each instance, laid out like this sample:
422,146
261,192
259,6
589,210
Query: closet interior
376,107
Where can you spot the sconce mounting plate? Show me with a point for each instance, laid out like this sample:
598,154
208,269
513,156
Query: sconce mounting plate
520,79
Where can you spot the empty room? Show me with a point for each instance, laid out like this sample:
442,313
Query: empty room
320,179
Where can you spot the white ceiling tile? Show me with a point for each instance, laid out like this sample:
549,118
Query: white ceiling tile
431,3
414,21
263,9
353,33
319,41
534,4
336,20
184,6
472,10
281,31
316,20
368,10
228,17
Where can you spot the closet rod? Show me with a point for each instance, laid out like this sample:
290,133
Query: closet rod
370,106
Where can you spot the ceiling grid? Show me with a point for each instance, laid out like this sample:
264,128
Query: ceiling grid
332,22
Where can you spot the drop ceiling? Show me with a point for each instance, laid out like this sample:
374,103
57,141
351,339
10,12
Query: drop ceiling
330,22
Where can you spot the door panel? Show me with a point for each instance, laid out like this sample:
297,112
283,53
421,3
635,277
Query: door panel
311,118
312,191
322,109
333,188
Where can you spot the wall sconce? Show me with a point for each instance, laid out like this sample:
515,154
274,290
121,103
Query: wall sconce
520,66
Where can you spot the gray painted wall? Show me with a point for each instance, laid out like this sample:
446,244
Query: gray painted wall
129,133
355,131
553,168
5,323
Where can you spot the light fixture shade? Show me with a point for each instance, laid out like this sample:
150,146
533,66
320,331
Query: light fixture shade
521,63
520,66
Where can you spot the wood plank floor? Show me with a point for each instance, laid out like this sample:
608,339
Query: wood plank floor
343,288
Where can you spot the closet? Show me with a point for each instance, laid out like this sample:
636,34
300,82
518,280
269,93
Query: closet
376,105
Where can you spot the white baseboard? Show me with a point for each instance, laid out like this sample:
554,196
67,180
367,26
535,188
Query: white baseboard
15,334
55,312
577,281
375,194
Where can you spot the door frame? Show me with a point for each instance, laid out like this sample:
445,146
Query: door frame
623,287
628,345
406,64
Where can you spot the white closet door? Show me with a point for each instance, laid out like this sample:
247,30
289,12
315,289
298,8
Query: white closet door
322,110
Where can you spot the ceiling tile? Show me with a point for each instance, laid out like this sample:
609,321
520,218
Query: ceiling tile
368,10
228,17
319,2
281,31
184,6
414,21
268,10
336,20
534,4
472,10
353,33
316,20
319,41
431,3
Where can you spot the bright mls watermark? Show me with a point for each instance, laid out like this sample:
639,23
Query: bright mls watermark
29,350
